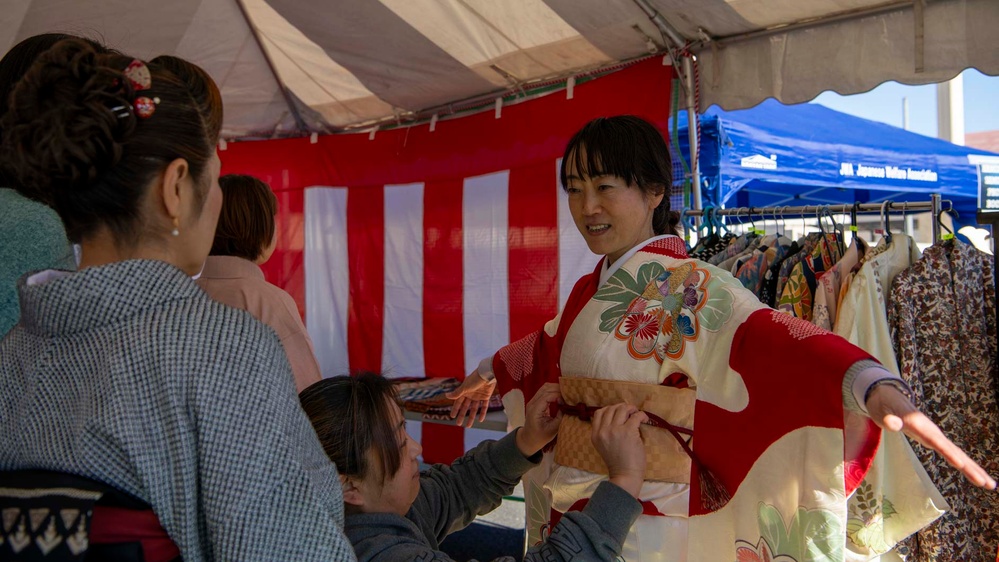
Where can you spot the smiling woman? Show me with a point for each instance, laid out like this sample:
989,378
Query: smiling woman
766,441
617,174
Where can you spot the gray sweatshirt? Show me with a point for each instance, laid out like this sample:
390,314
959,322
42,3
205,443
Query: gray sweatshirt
451,496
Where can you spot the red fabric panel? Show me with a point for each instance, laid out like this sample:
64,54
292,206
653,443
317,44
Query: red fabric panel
528,133
518,365
532,247
288,169
729,443
443,329
366,260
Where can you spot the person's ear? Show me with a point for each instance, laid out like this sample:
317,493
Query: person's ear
171,188
656,199
351,492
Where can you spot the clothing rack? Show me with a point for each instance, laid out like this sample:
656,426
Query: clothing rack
934,205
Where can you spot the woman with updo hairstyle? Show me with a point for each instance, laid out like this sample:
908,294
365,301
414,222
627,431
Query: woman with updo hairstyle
245,238
125,372
31,234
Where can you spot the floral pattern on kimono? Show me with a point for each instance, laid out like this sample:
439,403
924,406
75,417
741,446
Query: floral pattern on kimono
793,460
768,286
942,316
799,290
734,248
752,272
807,246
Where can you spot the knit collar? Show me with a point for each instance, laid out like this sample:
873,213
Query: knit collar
98,296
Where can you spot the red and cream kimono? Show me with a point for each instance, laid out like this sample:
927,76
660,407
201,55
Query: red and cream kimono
763,394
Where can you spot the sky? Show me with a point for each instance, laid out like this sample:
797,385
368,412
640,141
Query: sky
884,104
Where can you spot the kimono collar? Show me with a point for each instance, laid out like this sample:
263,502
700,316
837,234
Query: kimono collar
98,296
230,267
665,244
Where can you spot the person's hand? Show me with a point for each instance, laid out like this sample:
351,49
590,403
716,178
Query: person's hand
892,411
616,436
540,427
471,399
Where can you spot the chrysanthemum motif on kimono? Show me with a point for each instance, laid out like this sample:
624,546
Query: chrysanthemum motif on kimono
655,311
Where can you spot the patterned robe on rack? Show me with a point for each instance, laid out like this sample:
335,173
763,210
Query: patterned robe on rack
664,319
942,314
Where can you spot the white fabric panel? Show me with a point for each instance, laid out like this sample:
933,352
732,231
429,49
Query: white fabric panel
486,274
574,258
219,40
327,279
486,303
402,328
308,71
476,31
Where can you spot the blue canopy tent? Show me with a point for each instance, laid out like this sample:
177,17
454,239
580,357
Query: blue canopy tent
775,155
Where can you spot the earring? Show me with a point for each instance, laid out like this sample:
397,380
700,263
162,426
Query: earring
176,227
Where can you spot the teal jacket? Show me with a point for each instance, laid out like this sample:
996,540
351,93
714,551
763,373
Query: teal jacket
32,238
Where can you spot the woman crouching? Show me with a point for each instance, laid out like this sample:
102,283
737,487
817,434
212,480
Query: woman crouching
395,512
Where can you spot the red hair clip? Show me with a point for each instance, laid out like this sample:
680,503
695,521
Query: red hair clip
139,76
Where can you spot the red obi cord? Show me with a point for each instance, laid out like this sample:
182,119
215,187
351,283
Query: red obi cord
713,493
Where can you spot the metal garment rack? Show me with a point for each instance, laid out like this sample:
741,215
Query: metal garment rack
934,205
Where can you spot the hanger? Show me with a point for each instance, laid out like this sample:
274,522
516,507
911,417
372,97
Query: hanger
825,212
717,221
950,233
885,221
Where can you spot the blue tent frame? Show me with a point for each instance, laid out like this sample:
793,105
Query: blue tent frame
807,154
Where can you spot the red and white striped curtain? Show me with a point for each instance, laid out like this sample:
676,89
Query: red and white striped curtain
420,252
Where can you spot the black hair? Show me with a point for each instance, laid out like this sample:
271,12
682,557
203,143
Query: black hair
352,415
632,149
14,65
71,138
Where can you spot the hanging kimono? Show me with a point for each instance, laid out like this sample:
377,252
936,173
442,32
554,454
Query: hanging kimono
751,273
863,312
942,316
799,291
690,332
827,292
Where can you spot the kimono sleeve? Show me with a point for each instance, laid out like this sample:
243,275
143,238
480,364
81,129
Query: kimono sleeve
268,491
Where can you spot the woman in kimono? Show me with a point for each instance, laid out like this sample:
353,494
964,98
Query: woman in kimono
767,424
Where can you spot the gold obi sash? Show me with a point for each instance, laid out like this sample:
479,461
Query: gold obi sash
666,459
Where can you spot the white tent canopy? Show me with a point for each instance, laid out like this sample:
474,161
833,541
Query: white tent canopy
294,66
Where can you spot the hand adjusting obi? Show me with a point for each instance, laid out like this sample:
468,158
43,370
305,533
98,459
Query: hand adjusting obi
668,437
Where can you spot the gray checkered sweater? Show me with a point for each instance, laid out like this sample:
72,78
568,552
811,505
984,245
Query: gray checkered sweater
129,374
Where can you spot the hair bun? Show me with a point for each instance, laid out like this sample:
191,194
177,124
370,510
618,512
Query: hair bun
61,132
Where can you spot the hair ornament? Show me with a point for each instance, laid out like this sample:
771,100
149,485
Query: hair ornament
138,75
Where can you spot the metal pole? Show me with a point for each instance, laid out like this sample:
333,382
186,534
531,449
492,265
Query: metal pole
692,127
810,210
935,224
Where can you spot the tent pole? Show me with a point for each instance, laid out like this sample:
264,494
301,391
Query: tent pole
935,223
299,121
692,127
679,42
